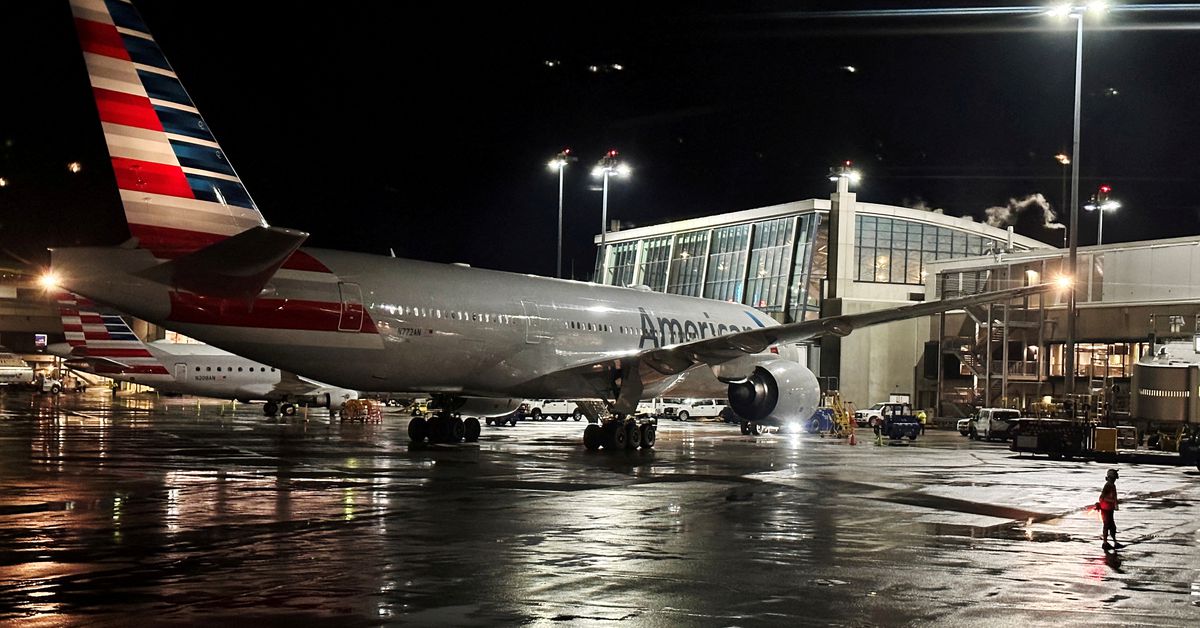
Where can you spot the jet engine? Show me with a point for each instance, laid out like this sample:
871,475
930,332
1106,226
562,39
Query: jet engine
777,392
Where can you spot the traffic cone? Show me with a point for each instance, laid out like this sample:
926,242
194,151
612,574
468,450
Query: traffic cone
853,440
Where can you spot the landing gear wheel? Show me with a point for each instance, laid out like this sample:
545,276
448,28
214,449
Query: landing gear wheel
458,430
439,429
633,435
471,430
649,432
288,409
418,429
577,414
270,409
592,435
616,435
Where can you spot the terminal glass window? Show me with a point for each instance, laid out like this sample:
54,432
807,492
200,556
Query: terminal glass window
624,254
892,250
810,267
726,273
656,255
687,263
770,261
1099,361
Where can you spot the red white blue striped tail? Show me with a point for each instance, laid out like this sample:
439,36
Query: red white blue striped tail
105,337
179,192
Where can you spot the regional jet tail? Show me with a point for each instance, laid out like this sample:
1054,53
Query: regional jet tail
102,343
203,261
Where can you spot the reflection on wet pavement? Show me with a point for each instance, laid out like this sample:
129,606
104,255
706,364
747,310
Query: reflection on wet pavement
188,512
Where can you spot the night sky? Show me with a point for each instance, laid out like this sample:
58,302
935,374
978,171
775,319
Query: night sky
426,129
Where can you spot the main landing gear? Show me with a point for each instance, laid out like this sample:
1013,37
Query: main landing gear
619,433
443,427
271,409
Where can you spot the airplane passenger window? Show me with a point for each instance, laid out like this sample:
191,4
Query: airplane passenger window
208,368
197,369
218,369
272,369
239,369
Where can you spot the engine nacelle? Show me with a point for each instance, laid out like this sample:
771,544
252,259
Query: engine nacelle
777,392
334,398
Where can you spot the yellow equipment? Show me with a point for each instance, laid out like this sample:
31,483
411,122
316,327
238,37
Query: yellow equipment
843,414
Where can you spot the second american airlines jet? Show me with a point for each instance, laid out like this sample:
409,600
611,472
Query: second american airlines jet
202,260
102,343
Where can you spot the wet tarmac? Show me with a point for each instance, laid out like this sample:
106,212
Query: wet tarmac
136,510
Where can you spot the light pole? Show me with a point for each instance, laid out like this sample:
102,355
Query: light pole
1076,12
1102,203
1065,160
608,166
559,163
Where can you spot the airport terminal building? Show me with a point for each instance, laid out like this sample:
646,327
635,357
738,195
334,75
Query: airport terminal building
804,259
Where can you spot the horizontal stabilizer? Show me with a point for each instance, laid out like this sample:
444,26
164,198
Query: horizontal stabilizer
238,266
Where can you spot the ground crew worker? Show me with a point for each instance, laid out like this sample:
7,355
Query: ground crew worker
878,425
1108,505
921,417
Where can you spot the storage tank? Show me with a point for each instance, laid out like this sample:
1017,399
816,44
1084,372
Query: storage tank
1165,384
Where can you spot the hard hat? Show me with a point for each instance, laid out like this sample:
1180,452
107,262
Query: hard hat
1112,474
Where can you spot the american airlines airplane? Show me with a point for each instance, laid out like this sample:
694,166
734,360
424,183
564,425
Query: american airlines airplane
102,343
202,260
14,370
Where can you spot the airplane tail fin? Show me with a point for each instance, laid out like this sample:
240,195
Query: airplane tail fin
105,340
179,192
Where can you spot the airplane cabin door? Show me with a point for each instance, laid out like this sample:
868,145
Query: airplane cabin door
534,333
180,372
351,318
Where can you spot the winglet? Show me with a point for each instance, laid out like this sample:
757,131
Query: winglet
238,266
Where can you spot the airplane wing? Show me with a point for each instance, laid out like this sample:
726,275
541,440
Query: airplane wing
294,385
631,373
715,351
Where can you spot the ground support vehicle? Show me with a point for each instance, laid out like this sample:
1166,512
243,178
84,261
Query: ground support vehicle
992,423
867,416
964,425
686,409
894,420
554,409
832,418
898,426
1067,438
880,411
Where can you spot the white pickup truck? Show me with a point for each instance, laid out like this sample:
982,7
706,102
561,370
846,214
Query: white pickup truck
687,409
556,409
992,423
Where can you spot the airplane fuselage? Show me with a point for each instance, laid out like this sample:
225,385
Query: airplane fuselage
388,324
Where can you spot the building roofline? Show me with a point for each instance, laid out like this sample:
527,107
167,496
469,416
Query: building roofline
967,263
819,205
